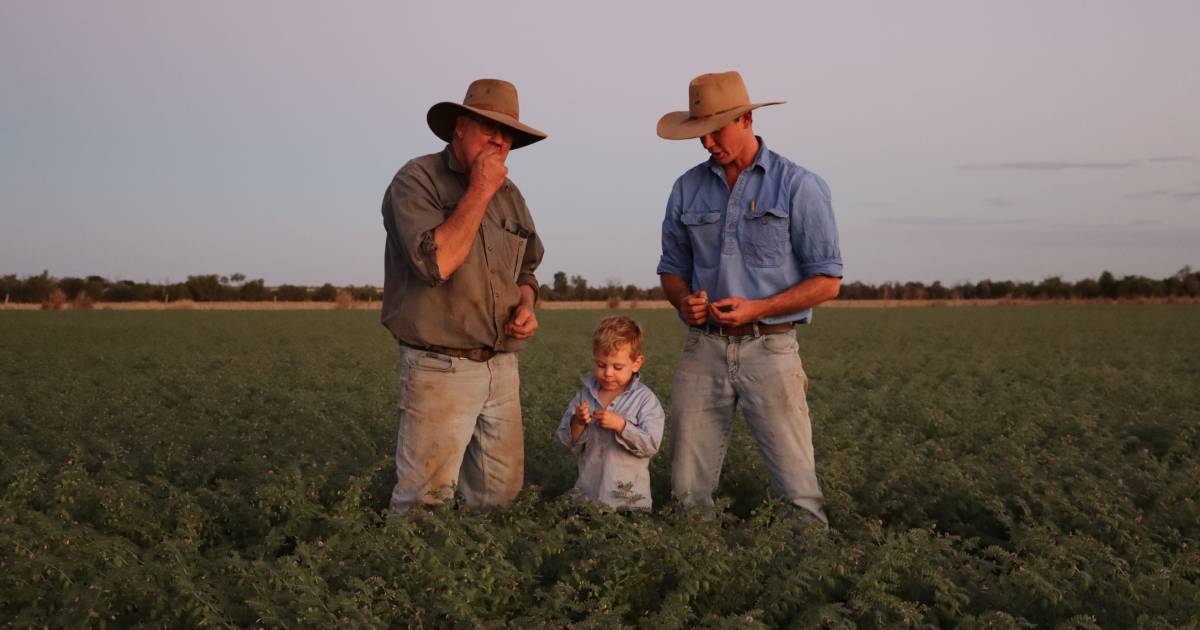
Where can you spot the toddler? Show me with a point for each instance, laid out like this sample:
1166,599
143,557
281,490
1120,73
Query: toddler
615,423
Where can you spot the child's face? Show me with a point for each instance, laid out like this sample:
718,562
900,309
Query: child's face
614,370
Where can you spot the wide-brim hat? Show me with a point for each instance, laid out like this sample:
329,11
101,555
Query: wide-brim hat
493,99
714,100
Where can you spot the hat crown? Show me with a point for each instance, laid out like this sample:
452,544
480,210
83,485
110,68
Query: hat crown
493,95
713,93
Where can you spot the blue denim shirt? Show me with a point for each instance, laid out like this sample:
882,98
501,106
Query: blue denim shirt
774,230
608,458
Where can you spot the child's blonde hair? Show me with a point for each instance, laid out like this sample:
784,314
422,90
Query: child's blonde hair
615,331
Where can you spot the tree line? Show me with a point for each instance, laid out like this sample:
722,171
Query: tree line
1183,283
44,288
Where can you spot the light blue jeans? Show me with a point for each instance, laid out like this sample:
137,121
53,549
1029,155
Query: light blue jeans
460,428
764,374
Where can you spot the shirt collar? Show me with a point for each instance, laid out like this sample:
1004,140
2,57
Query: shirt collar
762,159
451,161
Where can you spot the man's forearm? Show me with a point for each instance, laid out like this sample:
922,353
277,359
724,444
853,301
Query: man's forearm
674,288
800,296
456,234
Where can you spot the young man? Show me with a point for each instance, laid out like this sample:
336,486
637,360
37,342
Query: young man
749,246
458,296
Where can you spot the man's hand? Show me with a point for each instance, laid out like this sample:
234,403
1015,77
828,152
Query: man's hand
735,311
523,323
694,308
488,171
610,420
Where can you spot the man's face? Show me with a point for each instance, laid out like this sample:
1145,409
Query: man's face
728,142
614,370
475,133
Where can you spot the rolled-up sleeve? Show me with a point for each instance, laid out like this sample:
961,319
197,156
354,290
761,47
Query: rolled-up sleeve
643,434
814,232
414,213
676,258
564,426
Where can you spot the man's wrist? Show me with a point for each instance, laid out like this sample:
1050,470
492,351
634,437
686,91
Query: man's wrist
760,309
528,296
477,192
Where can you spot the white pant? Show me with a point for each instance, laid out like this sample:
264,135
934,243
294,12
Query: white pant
460,427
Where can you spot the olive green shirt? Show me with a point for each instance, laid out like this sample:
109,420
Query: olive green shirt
470,308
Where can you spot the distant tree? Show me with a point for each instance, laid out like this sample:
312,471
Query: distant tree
8,287
936,291
1087,289
365,293
36,289
1190,284
325,293
579,288
253,291
913,291
205,288
291,293
176,292
1054,288
1108,285
71,287
237,278
560,287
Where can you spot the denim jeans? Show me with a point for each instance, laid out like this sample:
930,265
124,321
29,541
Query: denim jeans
763,374
460,428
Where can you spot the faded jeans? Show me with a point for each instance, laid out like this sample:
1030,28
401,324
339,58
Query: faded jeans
460,427
764,374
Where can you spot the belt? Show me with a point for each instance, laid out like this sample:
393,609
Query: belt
475,354
751,329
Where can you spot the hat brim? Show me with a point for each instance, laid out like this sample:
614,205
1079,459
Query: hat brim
681,126
441,118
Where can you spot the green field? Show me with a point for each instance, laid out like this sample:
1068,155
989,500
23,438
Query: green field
983,467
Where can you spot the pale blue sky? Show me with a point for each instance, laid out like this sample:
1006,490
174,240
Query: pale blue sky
962,140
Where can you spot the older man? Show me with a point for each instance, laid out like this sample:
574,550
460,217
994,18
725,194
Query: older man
458,296
749,246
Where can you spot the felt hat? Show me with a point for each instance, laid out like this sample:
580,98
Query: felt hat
493,99
714,100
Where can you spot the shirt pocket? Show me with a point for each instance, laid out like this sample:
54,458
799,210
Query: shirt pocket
512,240
704,232
765,241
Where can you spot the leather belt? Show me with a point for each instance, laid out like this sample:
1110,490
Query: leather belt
481,355
750,329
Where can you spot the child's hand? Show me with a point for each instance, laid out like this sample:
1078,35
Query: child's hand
610,420
583,416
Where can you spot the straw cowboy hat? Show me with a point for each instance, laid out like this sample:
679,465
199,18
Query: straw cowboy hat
714,100
493,99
